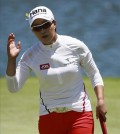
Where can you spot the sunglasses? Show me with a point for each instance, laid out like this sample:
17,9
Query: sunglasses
45,25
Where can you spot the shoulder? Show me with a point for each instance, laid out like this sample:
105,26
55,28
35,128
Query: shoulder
73,43
31,52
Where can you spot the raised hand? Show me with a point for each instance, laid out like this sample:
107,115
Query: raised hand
12,49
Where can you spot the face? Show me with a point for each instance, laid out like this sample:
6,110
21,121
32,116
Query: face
46,32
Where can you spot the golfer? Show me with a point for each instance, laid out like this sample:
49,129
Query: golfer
57,61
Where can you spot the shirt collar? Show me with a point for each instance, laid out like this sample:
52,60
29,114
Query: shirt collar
53,45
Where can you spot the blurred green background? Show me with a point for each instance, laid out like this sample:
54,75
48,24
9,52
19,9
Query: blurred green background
19,111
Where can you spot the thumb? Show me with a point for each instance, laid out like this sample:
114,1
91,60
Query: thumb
19,45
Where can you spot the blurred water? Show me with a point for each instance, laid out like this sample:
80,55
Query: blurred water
96,22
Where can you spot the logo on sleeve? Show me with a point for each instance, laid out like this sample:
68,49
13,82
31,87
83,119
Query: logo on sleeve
44,66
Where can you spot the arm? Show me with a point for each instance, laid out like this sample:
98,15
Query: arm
93,73
12,51
100,108
15,77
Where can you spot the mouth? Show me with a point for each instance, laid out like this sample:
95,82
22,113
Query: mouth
44,36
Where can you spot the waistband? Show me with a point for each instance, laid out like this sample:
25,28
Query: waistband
60,109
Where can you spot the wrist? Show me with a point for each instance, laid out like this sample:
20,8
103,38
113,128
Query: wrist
100,99
11,67
11,60
100,102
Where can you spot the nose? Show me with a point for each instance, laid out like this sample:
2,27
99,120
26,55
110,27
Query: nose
42,31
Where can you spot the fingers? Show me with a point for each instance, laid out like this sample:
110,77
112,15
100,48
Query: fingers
19,45
103,117
102,113
11,38
11,41
13,49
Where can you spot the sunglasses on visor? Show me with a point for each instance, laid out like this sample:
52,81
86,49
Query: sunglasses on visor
45,25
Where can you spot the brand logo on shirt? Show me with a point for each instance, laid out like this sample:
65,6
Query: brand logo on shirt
70,61
44,66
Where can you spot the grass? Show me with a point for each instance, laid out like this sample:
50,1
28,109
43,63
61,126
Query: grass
112,99
19,111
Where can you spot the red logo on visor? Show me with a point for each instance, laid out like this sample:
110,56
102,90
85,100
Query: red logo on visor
44,66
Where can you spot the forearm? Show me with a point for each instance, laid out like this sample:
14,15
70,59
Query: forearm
99,91
100,108
11,67
93,73
16,76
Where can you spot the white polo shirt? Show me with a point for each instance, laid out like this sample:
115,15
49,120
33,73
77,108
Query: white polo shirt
58,68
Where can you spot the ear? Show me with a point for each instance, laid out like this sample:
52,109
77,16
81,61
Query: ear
55,24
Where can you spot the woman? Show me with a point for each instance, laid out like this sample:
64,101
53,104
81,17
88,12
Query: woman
57,61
